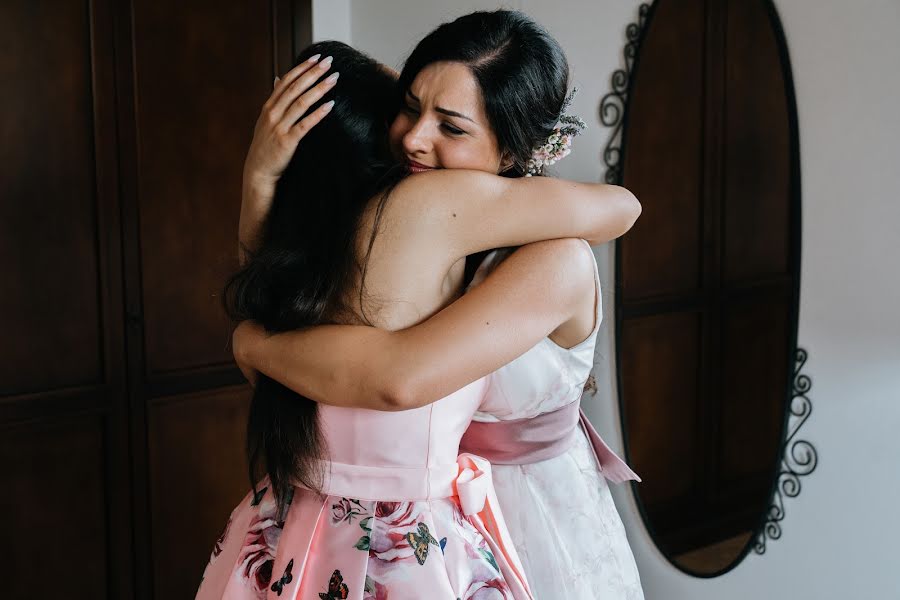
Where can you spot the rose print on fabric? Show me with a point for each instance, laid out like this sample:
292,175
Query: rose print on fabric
495,589
257,555
399,539
388,541
346,509
485,580
374,590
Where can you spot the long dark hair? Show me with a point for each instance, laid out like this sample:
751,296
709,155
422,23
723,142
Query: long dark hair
306,257
521,70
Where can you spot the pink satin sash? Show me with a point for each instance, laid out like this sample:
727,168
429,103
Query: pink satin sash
535,439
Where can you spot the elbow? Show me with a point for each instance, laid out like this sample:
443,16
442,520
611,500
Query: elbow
629,209
400,383
614,216
398,394
240,343
632,209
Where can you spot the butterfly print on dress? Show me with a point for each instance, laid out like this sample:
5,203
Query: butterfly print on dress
420,541
278,586
337,589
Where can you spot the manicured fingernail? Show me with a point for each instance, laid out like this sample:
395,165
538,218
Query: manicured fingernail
275,81
328,106
333,77
313,58
326,61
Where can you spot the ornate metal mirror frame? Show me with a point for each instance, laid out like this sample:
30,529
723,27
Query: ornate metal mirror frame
797,457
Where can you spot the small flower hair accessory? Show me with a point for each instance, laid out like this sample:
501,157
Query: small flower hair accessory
559,143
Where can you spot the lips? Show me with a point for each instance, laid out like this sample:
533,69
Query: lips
416,167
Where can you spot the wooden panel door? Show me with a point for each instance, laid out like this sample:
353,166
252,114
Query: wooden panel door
124,130
64,512
193,83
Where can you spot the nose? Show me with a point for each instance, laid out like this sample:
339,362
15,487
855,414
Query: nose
416,141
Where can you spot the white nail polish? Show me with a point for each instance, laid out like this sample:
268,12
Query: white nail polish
327,60
313,58
333,77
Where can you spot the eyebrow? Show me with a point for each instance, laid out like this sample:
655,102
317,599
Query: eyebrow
444,111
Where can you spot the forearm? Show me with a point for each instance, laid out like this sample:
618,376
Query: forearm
256,199
339,365
358,366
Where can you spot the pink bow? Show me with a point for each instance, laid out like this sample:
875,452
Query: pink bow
478,500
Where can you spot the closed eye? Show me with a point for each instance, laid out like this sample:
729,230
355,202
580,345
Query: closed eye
451,129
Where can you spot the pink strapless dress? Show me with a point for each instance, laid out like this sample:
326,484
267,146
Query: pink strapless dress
403,517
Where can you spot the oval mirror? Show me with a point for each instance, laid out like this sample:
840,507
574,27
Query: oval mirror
709,277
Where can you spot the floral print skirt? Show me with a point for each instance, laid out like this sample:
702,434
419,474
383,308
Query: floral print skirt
330,548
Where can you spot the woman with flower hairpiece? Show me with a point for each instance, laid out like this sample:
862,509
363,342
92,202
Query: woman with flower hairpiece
465,107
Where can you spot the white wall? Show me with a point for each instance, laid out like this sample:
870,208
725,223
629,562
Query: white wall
840,536
331,20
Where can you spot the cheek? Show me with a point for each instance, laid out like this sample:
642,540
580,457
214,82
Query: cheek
466,153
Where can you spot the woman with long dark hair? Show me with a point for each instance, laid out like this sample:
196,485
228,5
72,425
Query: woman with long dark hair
362,503
550,465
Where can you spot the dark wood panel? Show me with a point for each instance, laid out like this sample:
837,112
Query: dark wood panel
198,475
726,253
757,159
68,402
756,338
125,126
48,235
203,70
659,361
662,253
53,511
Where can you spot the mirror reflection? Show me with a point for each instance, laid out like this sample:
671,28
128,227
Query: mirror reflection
709,275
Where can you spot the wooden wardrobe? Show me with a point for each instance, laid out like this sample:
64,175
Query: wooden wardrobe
123,129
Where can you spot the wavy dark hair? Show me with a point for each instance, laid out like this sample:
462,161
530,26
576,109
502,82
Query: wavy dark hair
521,70
306,258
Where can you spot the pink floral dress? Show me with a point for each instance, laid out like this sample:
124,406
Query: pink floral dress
402,518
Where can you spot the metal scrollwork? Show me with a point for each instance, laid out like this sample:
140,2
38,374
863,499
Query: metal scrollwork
798,459
612,105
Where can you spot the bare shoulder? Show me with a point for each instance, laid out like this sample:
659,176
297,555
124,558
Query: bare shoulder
568,264
571,252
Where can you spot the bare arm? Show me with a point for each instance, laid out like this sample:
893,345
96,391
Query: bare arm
473,211
539,287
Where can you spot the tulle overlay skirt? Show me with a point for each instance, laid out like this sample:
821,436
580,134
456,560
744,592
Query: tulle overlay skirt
332,547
